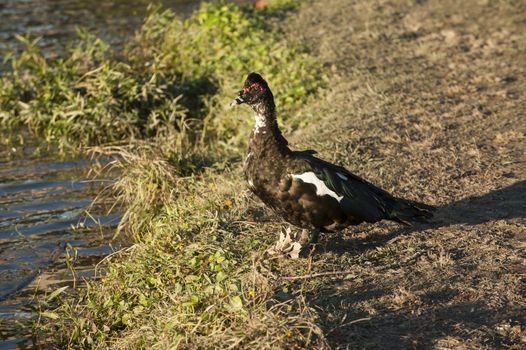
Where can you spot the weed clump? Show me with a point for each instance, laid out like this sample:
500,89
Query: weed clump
194,276
173,74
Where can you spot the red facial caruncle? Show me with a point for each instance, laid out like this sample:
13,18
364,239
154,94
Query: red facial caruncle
253,86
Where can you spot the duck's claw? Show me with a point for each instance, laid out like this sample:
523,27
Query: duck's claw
286,246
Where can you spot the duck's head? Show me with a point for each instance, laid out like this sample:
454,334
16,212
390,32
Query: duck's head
255,90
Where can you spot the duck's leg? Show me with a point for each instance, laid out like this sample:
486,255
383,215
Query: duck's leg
303,237
307,239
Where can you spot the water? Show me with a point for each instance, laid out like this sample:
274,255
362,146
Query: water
43,201
43,205
55,20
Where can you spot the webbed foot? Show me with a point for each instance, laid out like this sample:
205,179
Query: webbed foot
292,246
286,246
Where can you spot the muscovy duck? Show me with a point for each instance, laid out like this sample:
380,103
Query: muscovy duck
306,191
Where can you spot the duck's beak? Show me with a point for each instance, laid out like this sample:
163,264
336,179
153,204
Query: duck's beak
239,99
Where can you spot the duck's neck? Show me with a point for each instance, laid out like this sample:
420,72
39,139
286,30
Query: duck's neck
266,134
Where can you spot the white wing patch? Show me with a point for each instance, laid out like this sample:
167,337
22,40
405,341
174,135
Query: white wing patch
321,188
341,176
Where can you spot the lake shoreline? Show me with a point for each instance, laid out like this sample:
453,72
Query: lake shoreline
423,99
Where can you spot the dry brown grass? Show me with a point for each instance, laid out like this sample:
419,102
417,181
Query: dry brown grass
428,100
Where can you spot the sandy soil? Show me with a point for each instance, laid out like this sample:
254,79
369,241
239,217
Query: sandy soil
426,99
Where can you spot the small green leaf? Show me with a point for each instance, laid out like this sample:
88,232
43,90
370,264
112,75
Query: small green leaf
51,315
236,303
143,300
220,276
56,293
193,300
126,319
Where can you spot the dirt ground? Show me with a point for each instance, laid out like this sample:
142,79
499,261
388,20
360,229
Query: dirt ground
426,99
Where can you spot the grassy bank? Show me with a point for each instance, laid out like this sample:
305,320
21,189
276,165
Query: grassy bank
425,99
193,275
173,77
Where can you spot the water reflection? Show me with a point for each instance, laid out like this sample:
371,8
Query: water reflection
55,20
42,210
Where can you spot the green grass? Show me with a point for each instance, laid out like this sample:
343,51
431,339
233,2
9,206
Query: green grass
173,75
194,275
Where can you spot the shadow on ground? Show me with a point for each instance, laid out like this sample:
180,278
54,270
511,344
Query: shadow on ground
504,203
444,325
403,310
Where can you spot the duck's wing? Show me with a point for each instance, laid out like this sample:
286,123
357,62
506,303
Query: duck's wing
357,197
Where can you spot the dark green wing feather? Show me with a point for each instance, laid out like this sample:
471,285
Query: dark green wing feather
361,199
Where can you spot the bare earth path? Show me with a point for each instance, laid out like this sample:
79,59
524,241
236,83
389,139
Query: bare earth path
428,100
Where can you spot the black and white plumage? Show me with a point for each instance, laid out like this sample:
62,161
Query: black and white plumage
306,191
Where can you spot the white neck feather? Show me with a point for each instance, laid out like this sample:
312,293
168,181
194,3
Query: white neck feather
260,122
